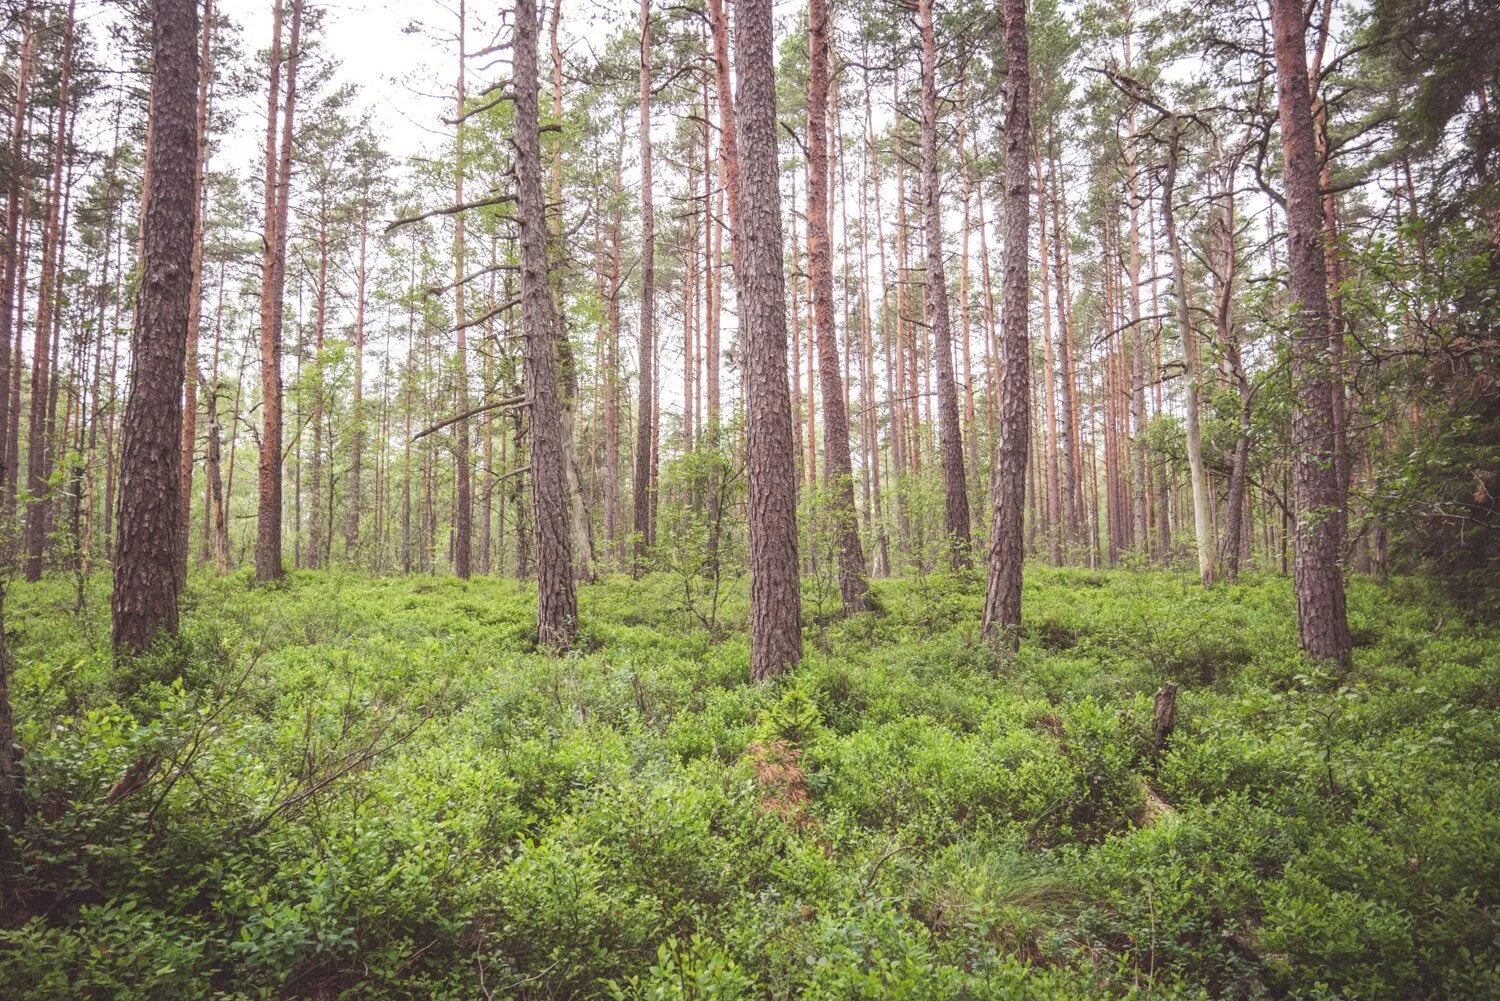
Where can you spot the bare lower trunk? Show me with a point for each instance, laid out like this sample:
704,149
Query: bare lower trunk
273,279
145,592
557,603
643,499
1002,601
775,597
1321,614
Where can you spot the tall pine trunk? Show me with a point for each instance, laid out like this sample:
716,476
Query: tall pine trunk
1321,615
854,588
775,596
643,498
955,492
145,593
557,603
1001,625
273,281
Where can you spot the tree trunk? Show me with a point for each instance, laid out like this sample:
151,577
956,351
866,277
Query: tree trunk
775,597
612,519
195,296
273,280
145,578
48,300
12,260
1193,373
955,492
463,513
1001,625
357,416
557,604
1321,615
643,500
854,588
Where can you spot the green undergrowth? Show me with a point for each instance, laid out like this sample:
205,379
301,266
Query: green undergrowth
377,788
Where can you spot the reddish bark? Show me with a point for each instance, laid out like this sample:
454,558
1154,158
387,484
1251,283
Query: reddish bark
145,576
1318,572
557,602
1001,625
775,596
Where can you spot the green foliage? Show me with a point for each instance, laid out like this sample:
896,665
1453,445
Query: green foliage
371,788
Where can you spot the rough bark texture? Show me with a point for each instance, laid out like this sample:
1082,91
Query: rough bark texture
557,603
854,588
955,492
1001,625
642,499
1318,573
273,276
775,597
145,577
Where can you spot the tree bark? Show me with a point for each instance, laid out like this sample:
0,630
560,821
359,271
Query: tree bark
643,500
38,457
955,491
557,603
1193,373
190,390
775,597
357,416
1322,618
273,281
145,580
463,513
1001,625
854,587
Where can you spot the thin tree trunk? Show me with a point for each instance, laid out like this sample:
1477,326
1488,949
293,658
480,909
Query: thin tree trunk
854,588
642,499
1189,336
195,305
463,514
955,491
48,296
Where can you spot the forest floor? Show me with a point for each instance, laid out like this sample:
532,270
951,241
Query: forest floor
377,788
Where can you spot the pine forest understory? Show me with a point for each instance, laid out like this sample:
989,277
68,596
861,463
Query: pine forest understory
715,499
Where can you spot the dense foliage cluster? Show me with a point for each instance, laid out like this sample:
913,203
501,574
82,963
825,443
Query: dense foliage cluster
373,788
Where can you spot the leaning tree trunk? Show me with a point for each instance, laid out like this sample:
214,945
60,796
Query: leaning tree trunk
145,591
557,604
1321,615
853,585
1001,625
775,597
